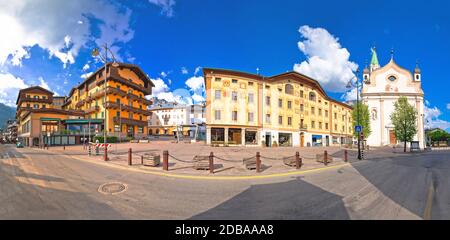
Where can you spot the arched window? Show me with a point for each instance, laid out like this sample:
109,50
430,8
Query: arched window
312,96
289,89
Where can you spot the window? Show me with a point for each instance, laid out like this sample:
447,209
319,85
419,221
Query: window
234,96
44,97
280,120
217,114
118,114
218,94
392,78
117,128
335,115
313,110
140,117
250,83
234,81
289,89
313,124
320,125
234,115
267,118
326,126
326,113
36,106
343,129
268,101
302,108
140,130
343,118
320,112
335,127
312,96
250,117
280,103
250,97
218,79
44,106
289,104
290,121
301,93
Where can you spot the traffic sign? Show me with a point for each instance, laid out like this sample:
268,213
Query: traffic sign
358,128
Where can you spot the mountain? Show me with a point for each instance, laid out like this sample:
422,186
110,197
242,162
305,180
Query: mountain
6,113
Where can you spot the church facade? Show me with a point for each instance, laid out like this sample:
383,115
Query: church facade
382,87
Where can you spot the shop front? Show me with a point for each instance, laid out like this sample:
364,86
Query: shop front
285,139
317,141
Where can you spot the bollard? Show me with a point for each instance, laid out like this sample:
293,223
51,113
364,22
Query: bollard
211,163
106,153
166,160
297,160
129,157
258,162
64,147
89,150
97,151
325,158
345,156
142,160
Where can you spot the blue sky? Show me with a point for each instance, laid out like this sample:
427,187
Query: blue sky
50,41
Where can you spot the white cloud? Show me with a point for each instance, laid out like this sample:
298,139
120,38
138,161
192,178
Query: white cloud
184,70
166,5
86,67
350,95
195,83
44,84
197,70
86,75
432,119
198,98
60,27
9,88
163,74
327,61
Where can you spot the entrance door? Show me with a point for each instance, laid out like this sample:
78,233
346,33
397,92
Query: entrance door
392,138
328,140
302,140
268,140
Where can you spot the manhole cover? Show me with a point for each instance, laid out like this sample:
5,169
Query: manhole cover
112,188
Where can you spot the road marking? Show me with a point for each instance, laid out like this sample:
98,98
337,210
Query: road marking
429,204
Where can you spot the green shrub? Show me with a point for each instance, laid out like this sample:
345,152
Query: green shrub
109,139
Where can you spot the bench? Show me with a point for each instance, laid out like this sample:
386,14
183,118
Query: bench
151,160
250,163
202,163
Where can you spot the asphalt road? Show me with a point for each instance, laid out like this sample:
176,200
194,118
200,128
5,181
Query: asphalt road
37,185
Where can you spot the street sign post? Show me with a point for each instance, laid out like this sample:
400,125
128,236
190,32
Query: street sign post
358,128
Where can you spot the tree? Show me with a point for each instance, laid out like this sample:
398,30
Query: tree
364,119
404,119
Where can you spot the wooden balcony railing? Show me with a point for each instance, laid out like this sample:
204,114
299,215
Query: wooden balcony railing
128,121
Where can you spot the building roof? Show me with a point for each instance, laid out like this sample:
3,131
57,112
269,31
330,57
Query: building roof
32,89
292,74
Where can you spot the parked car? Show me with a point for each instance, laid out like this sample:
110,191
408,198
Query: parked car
19,145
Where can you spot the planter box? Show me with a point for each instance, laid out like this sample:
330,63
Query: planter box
151,160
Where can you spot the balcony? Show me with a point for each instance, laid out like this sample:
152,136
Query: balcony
35,100
129,83
304,127
128,121
114,105
80,103
92,109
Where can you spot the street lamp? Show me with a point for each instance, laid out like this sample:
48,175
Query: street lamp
350,85
104,59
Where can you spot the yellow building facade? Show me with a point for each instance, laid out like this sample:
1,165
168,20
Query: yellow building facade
289,109
123,96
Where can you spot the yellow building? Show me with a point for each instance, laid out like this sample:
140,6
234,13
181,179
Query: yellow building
126,105
38,116
288,109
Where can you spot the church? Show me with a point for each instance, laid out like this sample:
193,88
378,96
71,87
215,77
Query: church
382,87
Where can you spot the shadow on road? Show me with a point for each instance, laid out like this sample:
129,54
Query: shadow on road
286,200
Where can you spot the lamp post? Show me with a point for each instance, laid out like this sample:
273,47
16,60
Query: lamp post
350,84
95,53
